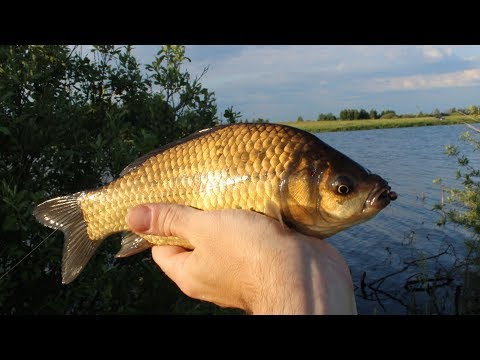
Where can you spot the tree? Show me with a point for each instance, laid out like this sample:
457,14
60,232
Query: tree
328,117
473,110
363,114
373,114
71,122
388,114
452,111
231,116
191,103
349,114
300,119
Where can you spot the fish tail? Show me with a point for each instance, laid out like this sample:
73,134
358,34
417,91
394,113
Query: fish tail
64,213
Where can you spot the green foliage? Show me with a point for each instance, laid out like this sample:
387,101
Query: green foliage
300,119
328,117
363,114
464,203
354,114
231,116
348,114
473,110
70,122
388,114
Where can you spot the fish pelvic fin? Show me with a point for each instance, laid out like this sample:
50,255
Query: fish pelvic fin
64,213
132,244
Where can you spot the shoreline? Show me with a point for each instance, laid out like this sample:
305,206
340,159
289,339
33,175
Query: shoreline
370,124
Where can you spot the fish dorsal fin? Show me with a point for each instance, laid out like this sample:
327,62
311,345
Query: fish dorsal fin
132,244
138,162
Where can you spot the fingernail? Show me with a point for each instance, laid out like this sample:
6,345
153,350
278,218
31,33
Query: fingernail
138,218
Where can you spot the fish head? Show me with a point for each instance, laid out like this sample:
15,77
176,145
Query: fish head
342,193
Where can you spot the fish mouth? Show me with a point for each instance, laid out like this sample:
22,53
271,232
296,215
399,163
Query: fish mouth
379,197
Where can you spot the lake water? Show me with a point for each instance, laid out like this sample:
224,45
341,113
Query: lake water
409,159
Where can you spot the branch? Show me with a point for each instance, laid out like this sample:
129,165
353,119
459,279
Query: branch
473,127
383,278
71,52
429,257
205,69
407,265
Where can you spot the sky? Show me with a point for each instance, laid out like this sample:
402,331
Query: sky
283,82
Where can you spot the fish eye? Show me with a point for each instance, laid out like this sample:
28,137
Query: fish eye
343,185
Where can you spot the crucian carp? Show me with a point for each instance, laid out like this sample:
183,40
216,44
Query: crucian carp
276,170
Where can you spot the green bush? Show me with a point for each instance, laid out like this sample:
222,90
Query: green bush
465,202
462,207
71,122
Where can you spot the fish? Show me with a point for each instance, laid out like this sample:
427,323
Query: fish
276,170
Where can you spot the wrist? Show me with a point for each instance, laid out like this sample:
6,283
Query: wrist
306,278
291,284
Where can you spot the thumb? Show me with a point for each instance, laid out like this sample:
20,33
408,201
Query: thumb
168,220
139,218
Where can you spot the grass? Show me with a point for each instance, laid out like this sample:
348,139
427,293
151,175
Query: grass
348,125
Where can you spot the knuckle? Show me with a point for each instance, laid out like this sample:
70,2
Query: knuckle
168,219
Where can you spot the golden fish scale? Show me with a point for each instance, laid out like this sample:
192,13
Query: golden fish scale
239,166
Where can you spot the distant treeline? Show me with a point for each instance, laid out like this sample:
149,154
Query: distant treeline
362,114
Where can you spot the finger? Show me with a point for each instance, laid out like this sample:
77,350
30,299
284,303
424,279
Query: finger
172,260
168,220
166,252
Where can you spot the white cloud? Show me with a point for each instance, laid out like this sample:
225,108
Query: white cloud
432,53
257,66
469,77
281,82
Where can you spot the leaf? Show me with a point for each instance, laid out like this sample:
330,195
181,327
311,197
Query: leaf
10,223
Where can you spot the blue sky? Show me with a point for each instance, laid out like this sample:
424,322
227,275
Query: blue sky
280,83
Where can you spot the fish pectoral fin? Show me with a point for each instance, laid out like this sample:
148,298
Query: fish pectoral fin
132,244
272,210
301,215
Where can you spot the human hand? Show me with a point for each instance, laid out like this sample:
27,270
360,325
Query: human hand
246,260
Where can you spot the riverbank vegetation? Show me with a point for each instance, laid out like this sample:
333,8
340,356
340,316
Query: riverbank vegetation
348,125
71,120
461,206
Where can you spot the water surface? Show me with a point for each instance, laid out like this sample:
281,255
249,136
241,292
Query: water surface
409,159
